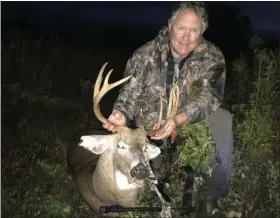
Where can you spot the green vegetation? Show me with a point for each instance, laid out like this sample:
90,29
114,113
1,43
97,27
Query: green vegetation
46,92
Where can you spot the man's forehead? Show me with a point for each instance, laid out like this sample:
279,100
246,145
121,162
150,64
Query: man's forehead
192,21
187,13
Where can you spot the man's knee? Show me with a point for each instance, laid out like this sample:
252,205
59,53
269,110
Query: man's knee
220,125
221,113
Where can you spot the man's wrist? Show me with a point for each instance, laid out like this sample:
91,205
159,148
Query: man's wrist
180,119
117,110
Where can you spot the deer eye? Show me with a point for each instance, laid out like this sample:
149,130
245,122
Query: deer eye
121,146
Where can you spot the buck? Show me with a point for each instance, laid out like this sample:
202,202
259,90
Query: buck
111,169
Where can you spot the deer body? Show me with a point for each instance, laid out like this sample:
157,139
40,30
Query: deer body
111,169
100,187
108,179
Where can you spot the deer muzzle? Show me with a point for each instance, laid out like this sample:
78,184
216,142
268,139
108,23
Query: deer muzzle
140,171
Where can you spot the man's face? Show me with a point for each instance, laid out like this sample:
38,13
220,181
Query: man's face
185,33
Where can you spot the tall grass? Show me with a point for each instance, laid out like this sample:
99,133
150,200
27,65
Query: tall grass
255,174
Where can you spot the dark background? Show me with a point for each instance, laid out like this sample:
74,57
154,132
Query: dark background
85,17
137,21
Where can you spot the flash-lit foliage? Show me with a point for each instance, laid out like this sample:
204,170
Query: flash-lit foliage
46,89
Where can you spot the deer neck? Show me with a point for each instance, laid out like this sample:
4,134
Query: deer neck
105,166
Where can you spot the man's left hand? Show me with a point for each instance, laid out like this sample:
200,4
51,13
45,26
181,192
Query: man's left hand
178,120
165,132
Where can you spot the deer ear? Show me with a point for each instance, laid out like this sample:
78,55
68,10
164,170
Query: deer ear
97,144
152,151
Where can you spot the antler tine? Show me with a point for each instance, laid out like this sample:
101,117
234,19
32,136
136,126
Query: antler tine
174,102
98,80
99,93
161,109
170,102
174,106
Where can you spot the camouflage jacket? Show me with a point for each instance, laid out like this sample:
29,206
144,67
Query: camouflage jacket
201,81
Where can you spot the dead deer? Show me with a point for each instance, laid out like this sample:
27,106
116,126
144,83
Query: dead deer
117,170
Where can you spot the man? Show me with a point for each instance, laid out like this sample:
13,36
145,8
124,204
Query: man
178,54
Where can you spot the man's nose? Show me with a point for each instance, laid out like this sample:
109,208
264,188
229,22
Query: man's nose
186,34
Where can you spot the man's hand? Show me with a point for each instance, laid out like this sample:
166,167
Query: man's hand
165,132
116,118
178,120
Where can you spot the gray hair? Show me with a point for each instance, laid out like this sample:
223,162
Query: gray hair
197,7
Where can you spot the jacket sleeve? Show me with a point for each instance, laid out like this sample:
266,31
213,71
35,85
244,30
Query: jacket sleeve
207,92
129,93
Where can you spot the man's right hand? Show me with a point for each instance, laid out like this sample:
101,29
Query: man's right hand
116,118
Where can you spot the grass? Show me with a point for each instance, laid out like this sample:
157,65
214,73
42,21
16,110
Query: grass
47,106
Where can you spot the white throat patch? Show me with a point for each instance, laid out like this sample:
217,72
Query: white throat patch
122,181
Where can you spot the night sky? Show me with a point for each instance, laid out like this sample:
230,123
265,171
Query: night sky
264,16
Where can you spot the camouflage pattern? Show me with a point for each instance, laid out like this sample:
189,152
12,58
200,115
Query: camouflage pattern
201,81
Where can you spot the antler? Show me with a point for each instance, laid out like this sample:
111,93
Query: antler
99,93
171,111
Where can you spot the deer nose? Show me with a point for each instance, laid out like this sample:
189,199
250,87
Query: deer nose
140,171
